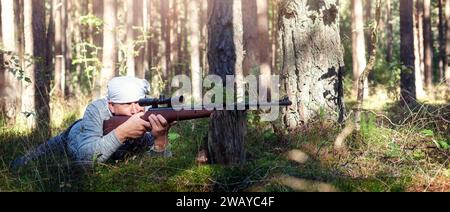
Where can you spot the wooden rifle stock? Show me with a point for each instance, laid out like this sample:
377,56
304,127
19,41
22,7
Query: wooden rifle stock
170,114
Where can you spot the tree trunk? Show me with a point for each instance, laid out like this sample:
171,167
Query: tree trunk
152,44
182,39
165,42
250,23
418,63
138,22
358,46
131,71
19,29
194,38
264,43
428,44
98,12
274,37
204,36
175,38
109,46
3,70
60,63
312,62
35,100
225,54
78,31
9,83
157,47
389,32
368,18
44,77
68,49
442,52
408,86
135,53
420,74
447,44
146,10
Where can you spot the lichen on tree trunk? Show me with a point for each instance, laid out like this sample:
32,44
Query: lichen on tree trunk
312,60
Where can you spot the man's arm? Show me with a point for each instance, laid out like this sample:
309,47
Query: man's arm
90,144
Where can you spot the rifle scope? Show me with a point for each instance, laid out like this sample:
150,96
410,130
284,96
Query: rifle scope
155,102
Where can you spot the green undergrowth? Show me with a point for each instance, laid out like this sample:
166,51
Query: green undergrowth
410,156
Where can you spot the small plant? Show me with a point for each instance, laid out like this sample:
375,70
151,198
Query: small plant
88,59
428,133
14,65
92,21
442,144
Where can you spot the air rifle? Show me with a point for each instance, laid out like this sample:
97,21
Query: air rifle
172,114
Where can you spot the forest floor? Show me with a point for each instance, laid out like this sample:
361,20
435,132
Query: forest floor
398,149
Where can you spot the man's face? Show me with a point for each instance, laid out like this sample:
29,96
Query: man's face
127,109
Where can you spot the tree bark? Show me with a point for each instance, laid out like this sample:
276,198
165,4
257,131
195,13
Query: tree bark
9,83
60,62
389,32
204,36
157,47
3,71
274,37
68,26
447,44
428,44
135,44
98,36
418,50
264,43
36,94
131,71
152,44
175,38
138,22
442,52
194,37
165,42
109,46
358,46
312,61
367,18
408,86
420,74
227,129
250,23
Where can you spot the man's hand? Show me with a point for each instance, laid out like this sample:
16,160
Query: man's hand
134,128
160,131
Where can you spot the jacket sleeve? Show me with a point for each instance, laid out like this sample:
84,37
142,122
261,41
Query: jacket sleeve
90,144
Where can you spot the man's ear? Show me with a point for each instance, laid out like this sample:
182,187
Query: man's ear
111,107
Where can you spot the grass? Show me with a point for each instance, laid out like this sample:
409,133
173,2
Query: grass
410,156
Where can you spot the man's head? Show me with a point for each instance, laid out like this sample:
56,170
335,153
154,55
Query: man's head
124,94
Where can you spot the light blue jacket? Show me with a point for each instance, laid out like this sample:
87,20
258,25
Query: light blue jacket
85,141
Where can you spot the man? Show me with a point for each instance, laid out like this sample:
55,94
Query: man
84,141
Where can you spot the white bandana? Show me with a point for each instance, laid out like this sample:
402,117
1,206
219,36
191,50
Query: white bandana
127,89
